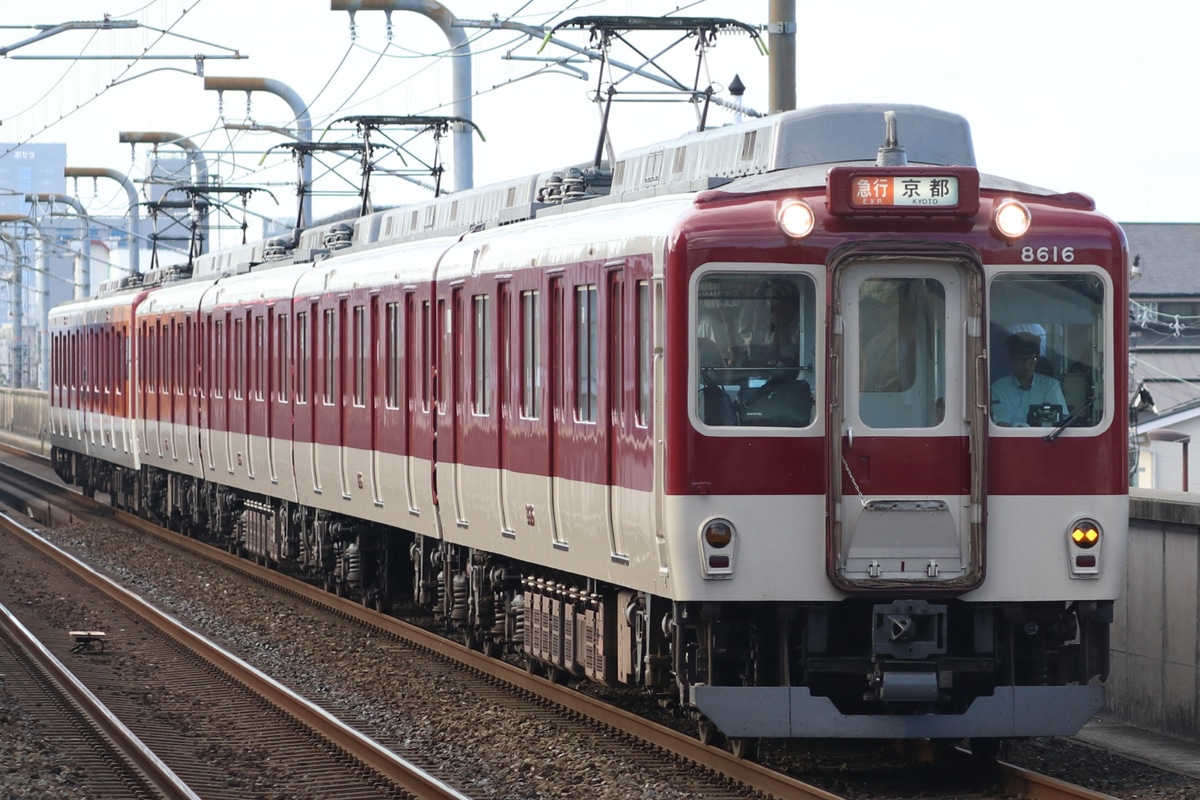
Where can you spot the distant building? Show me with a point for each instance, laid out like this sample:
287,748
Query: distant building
1165,348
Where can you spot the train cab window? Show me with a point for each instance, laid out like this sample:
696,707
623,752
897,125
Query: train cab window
902,366
1046,346
755,345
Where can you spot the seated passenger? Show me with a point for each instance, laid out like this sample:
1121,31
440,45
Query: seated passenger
1015,393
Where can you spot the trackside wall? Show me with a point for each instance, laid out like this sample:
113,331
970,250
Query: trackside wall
1155,682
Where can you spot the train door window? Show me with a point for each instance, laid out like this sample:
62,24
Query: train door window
123,361
426,357
237,362
587,372
755,349
282,358
181,356
360,356
328,353
531,355
303,360
219,359
262,350
902,366
616,344
162,336
391,355
481,350
1046,340
643,353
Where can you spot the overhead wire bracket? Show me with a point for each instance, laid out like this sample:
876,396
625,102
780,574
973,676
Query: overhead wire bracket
605,31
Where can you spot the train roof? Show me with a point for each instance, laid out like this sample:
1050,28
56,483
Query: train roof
794,141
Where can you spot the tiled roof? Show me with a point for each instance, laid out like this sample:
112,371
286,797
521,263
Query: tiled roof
1169,256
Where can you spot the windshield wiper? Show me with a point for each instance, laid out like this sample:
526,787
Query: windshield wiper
1078,414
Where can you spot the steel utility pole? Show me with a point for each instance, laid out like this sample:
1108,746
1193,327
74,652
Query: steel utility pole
194,153
131,193
781,39
460,64
299,108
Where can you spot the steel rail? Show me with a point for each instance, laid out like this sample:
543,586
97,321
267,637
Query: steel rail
401,772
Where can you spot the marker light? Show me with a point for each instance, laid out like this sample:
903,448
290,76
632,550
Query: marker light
796,218
1012,219
1083,548
1085,534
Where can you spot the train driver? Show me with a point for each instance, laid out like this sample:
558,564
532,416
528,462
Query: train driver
1024,388
774,337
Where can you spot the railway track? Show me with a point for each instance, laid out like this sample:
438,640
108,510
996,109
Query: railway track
725,771
167,682
114,760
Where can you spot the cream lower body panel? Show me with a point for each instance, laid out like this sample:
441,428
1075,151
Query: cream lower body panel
1027,556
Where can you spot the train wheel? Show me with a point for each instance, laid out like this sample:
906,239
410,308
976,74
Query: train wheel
707,733
744,748
984,749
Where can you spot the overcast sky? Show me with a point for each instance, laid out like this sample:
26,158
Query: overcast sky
1092,97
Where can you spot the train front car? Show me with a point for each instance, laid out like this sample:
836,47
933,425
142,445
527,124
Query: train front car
900,476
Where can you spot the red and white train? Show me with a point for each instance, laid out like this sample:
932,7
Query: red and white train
726,422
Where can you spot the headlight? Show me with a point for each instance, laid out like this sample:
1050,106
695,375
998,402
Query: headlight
796,218
718,544
718,533
1012,219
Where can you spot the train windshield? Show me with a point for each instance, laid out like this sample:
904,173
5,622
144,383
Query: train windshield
1046,339
755,340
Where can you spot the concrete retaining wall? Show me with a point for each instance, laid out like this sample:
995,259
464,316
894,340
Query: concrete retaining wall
1155,683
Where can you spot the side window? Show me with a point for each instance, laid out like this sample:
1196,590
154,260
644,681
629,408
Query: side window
755,343
1046,342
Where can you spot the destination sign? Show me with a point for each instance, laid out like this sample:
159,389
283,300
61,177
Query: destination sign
908,190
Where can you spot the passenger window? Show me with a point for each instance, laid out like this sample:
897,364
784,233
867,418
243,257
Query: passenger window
755,340
1046,347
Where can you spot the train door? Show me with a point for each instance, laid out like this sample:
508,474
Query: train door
191,382
373,354
618,428
414,349
280,418
351,333
504,382
907,436
557,380
455,367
